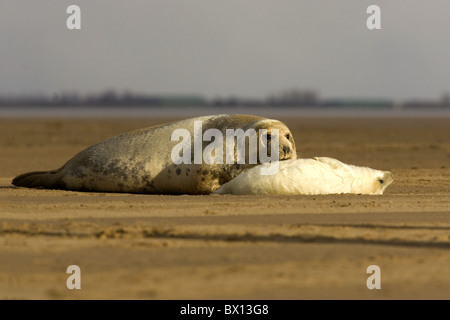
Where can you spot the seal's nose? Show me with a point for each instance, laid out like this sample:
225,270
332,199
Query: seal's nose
286,150
389,177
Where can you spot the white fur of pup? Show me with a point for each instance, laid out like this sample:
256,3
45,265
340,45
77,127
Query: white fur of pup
320,175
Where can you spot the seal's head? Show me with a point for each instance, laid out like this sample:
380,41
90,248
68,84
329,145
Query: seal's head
384,181
274,129
371,181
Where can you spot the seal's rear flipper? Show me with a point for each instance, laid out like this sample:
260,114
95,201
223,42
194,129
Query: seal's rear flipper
38,179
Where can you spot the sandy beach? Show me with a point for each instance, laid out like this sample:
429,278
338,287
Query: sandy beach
132,246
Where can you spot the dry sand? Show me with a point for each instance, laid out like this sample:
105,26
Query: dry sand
231,247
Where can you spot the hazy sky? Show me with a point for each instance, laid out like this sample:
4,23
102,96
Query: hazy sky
218,48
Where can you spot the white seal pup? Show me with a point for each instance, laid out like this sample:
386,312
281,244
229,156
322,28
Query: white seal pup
141,161
321,175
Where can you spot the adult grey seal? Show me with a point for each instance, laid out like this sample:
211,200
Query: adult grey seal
142,161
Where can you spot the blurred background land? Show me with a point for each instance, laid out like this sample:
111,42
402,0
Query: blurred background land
293,99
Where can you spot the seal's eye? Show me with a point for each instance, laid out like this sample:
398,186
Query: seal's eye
268,137
381,181
288,136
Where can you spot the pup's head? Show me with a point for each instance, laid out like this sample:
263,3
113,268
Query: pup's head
371,181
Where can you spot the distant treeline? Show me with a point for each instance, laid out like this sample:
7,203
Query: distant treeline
291,98
103,99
